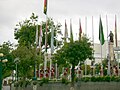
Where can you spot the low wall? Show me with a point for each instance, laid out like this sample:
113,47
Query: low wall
78,86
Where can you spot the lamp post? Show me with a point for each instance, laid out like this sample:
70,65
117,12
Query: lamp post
1,61
16,62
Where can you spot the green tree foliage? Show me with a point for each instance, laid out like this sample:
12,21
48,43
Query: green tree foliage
74,52
27,58
28,53
6,48
25,31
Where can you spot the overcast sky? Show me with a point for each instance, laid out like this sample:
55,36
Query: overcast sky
13,11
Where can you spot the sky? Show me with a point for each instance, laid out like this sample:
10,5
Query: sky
14,11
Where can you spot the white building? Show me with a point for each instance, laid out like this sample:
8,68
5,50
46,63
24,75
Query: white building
97,52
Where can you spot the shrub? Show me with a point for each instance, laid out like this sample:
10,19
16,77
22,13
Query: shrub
100,79
86,79
117,79
107,78
34,82
113,78
64,81
27,83
76,79
45,80
16,84
93,79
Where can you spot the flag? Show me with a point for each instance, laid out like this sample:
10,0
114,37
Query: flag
36,39
115,32
66,33
71,34
101,34
80,30
40,36
45,6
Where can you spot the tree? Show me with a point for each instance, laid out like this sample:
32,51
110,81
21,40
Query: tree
74,52
6,48
25,33
26,61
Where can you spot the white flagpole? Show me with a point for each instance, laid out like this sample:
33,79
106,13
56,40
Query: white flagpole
36,42
93,42
116,43
86,35
52,49
70,72
108,51
56,71
86,26
101,62
40,45
45,54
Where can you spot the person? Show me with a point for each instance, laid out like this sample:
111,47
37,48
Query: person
111,37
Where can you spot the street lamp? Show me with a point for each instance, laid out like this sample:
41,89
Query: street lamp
1,61
16,62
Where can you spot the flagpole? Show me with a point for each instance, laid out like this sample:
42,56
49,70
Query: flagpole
86,26
40,52
52,49
36,43
93,43
101,62
101,38
116,31
40,46
116,43
108,56
86,36
45,54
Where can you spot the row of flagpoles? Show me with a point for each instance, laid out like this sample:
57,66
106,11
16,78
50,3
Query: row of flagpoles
101,36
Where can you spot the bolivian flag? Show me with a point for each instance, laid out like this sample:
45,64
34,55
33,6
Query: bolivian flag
45,6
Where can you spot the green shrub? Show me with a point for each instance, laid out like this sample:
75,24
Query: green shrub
41,83
21,82
76,79
34,82
107,78
85,79
64,81
100,79
16,84
117,79
113,78
45,80
27,83
93,79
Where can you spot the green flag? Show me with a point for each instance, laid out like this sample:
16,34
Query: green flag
71,34
66,33
101,34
